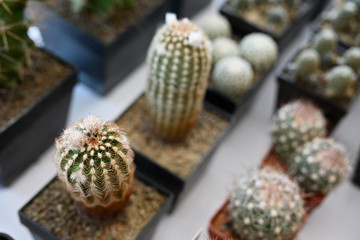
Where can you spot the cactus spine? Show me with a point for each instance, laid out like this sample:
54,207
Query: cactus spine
179,66
266,205
95,162
14,42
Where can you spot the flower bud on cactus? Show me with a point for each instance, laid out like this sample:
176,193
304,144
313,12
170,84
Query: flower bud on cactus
320,165
338,80
95,162
224,47
14,42
294,124
179,67
307,64
241,4
277,16
215,25
260,50
232,76
324,42
352,58
345,15
266,205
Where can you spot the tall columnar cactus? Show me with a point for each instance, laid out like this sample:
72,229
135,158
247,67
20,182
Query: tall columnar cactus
320,165
338,81
224,47
294,124
352,58
102,7
277,16
14,42
95,162
307,64
179,61
324,42
215,26
266,205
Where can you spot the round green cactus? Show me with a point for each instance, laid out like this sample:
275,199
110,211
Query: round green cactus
224,47
95,162
292,4
325,41
232,76
307,64
260,50
352,58
319,165
266,205
179,61
215,25
338,80
277,16
294,124
345,15
241,5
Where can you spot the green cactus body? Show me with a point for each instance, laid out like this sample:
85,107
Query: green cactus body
352,58
338,81
215,26
325,41
292,4
179,62
232,76
266,205
241,5
294,124
319,165
307,64
14,42
224,47
260,50
95,162
345,16
277,16
102,7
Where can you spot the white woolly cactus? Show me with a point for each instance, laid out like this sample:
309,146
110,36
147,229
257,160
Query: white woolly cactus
352,58
325,41
266,205
260,50
277,16
215,25
224,47
232,76
307,64
294,124
338,81
95,162
320,165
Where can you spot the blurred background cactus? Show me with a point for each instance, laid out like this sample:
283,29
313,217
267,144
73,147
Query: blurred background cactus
215,25
338,81
307,65
95,162
179,62
102,7
14,42
324,42
277,16
352,59
224,47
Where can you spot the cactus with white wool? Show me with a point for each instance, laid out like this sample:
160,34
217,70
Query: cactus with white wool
266,205
179,62
95,162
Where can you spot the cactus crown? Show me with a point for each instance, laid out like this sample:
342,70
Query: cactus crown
179,62
95,161
103,7
215,26
319,165
266,205
14,42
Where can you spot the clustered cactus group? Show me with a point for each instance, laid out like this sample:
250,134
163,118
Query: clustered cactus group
102,7
14,42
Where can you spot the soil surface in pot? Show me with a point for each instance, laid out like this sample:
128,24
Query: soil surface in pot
55,210
44,72
104,28
179,157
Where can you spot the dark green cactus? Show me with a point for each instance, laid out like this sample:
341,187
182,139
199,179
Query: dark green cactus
14,42
103,7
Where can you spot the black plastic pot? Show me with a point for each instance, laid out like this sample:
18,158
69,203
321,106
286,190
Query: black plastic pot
241,26
36,126
4,236
101,65
319,6
41,233
187,8
356,176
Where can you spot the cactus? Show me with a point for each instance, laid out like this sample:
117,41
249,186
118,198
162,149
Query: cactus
232,76
352,58
260,50
320,165
307,64
14,42
277,16
266,205
241,5
324,42
292,4
215,25
103,7
294,124
95,162
345,15
338,80
224,47
179,66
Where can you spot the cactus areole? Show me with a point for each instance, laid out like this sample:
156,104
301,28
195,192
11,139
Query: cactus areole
179,61
95,162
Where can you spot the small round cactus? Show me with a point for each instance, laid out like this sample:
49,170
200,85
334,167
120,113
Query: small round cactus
241,5
224,47
277,16
260,50
324,42
294,124
345,15
95,162
319,165
338,80
307,64
266,205
232,76
352,58
215,25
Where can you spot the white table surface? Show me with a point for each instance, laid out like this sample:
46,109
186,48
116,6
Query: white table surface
336,219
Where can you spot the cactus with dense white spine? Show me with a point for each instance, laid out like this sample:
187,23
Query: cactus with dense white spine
224,47
352,58
95,162
215,26
307,64
179,61
338,81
